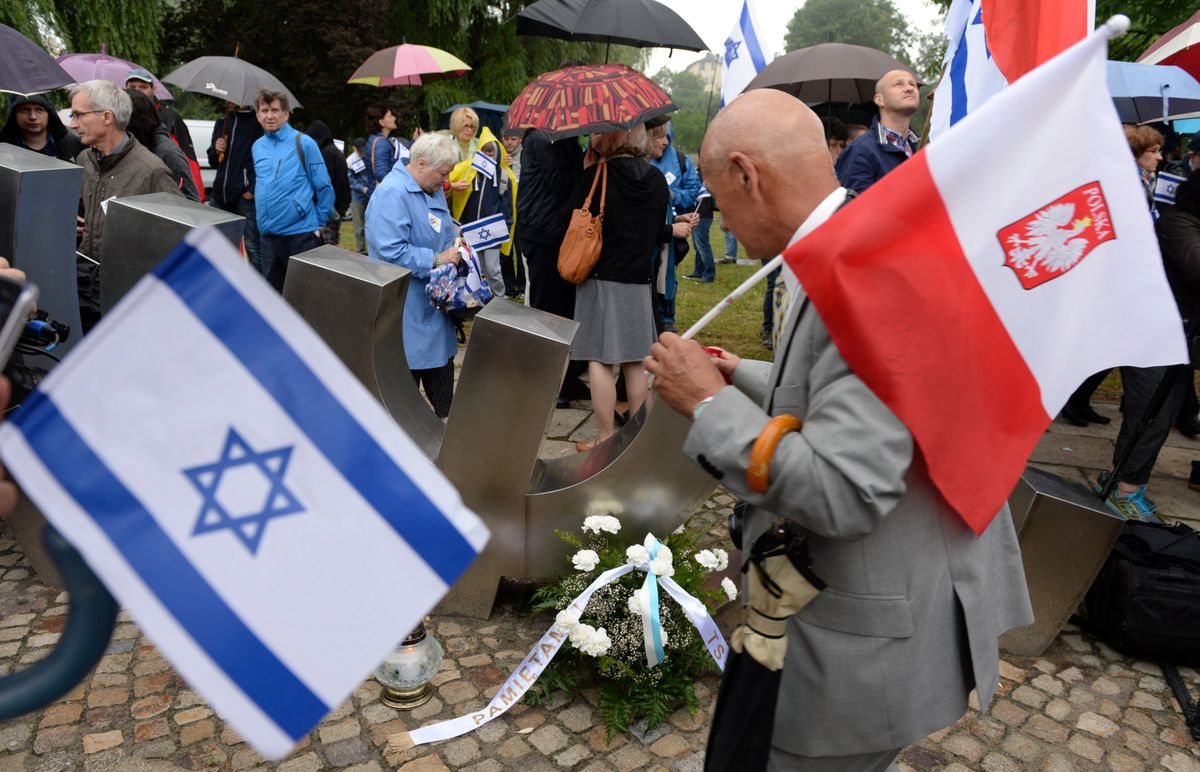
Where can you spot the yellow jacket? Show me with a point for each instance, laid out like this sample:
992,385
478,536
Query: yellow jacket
464,171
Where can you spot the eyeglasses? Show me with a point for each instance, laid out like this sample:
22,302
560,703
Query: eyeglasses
77,115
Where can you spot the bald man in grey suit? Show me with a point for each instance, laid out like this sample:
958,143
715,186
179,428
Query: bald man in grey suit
915,602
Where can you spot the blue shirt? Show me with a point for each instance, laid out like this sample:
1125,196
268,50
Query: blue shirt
408,227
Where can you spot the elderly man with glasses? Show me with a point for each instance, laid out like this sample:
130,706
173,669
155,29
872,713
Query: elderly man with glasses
114,166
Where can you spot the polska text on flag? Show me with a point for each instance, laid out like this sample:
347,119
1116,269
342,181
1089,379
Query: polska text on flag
484,164
241,493
994,42
486,233
743,57
973,292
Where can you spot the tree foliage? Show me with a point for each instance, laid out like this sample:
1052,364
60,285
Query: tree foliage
130,29
315,46
873,23
696,106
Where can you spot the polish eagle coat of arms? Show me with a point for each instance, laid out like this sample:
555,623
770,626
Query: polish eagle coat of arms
1057,237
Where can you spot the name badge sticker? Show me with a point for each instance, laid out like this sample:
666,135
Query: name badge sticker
435,222
671,178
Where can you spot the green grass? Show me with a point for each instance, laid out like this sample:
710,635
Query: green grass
739,328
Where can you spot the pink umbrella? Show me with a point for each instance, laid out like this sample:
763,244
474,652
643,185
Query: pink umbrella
102,66
408,65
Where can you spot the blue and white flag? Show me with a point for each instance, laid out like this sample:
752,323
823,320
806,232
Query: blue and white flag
744,55
257,512
703,193
486,233
484,164
970,76
1165,186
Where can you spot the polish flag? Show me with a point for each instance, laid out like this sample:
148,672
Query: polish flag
975,287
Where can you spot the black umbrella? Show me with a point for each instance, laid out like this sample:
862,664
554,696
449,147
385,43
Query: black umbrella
25,68
640,23
830,72
227,77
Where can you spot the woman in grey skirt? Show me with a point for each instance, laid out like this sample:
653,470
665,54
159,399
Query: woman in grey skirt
612,306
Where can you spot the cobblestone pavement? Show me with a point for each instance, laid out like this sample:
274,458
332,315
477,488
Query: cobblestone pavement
1080,706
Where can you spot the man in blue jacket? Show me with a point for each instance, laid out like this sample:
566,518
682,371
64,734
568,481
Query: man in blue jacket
292,192
889,142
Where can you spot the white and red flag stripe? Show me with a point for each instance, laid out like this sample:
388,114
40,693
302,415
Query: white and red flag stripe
977,285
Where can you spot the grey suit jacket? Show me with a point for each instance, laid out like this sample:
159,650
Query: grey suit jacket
915,602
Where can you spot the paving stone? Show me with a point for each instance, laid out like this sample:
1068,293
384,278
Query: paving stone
514,748
102,741
377,713
597,739
493,731
641,731
487,765
1106,685
63,713
1141,699
1139,744
578,718
151,730
99,698
151,684
461,752
114,663
573,755
308,762
1123,762
1048,684
1057,762
548,739
341,731
110,679
429,709
1178,762
370,766
475,660
347,752
627,758
1029,696
367,693
113,715
1071,675
425,764
54,738
998,762
1041,727
965,746
1086,747
530,719
672,746
150,706
194,733
457,692
1058,709
1096,725
1008,712
1022,746
381,732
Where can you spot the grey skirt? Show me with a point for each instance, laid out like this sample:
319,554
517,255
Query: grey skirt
616,322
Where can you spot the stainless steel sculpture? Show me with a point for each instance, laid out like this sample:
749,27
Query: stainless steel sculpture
39,199
1065,534
505,398
139,231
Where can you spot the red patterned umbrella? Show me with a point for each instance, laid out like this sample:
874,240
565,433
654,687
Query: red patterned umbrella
1180,47
588,99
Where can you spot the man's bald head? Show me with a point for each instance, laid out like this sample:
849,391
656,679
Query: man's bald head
897,92
767,164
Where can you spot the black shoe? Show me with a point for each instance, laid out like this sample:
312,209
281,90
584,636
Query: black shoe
692,276
1194,480
1089,412
562,403
1073,415
767,342
620,419
1188,427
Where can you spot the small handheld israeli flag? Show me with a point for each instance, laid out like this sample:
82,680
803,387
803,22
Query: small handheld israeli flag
486,233
356,163
703,193
483,163
1165,186
241,494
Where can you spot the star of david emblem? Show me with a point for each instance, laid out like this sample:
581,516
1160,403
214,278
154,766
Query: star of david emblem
485,234
731,50
243,490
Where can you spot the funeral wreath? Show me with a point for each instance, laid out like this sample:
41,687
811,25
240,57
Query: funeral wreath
632,639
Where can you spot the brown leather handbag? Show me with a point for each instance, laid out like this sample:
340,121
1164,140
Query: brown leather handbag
580,248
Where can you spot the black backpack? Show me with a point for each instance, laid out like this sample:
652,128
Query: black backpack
1146,599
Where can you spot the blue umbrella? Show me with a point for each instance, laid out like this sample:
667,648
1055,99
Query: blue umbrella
1152,92
490,115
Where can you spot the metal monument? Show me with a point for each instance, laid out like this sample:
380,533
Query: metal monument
504,400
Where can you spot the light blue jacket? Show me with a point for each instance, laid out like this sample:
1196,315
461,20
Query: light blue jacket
682,178
408,227
283,190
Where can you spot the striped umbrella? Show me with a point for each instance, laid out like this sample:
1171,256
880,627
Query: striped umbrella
408,65
1180,47
591,98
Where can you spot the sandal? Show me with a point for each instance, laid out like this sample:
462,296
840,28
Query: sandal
585,445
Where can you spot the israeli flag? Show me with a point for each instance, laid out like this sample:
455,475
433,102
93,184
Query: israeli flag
240,493
484,164
970,76
743,55
486,233
1165,186
357,163
703,193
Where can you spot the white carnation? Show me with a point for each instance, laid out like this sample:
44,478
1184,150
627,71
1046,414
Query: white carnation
585,560
722,559
682,527
707,559
567,620
637,555
730,589
597,523
595,642
639,602
662,566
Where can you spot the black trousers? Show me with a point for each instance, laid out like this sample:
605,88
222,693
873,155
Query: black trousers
438,383
1140,385
550,292
277,249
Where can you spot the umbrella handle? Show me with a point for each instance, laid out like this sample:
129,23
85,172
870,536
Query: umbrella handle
224,136
92,614
759,471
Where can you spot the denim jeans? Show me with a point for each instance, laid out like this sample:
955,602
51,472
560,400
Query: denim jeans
730,246
705,267
250,237
277,249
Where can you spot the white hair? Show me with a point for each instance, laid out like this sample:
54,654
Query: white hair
435,149
105,96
